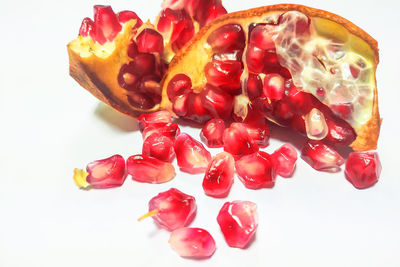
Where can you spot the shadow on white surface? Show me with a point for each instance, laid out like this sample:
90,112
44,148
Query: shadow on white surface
115,119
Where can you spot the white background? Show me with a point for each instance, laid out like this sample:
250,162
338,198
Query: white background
50,125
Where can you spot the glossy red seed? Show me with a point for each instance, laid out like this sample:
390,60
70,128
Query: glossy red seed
253,86
224,74
196,111
126,15
297,123
258,132
170,130
284,160
192,243
141,100
174,209
107,24
339,132
363,169
132,49
106,173
218,178
207,11
274,86
147,169
143,64
159,146
301,101
155,117
256,170
217,102
238,221
212,132
150,41
238,142
191,155
180,105
87,28
344,110
321,156
261,36
180,84
227,38
255,59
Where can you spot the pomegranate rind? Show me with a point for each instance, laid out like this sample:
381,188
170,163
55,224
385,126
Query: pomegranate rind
192,59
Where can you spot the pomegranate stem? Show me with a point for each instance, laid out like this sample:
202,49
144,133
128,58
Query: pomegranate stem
148,214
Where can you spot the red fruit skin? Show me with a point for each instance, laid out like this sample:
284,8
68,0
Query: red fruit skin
218,178
194,243
238,221
256,170
170,130
175,209
155,117
191,155
284,160
238,142
321,156
363,169
212,132
150,170
106,173
160,147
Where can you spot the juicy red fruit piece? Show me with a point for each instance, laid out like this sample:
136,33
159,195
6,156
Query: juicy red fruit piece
169,129
321,156
258,132
159,146
227,38
363,169
212,133
217,102
147,169
224,74
106,173
150,41
192,243
256,170
173,209
191,155
238,142
155,117
238,221
107,24
274,86
218,178
87,28
284,160
126,15
180,84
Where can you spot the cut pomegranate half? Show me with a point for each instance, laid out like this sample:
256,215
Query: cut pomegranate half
192,243
298,67
147,169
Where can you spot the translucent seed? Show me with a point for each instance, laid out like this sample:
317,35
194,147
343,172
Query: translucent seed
316,127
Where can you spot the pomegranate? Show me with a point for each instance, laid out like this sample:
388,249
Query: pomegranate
363,169
237,141
284,160
159,146
171,209
191,155
321,156
146,120
256,170
147,169
238,221
212,132
192,243
218,178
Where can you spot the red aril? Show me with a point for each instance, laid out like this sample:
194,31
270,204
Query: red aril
171,209
238,142
343,110
217,102
274,86
253,86
261,36
227,38
155,117
87,28
180,105
206,10
339,132
256,170
159,146
363,169
284,160
224,74
196,111
106,173
321,156
212,132
126,15
107,24
238,221
170,130
192,243
150,41
191,155
255,58
179,85
218,178
147,169
259,133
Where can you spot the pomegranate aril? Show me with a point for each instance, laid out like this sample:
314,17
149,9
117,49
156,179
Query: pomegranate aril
256,170
316,127
224,74
126,15
180,84
238,221
274,86
321,156
238,142
141,100
212,132
107,24
255,58
217,102
106,173
132,49
227,38
159,146
218,178
259,133
180,106
126,78
339,132
191,155
143,64
343,110
284,160
301,101
147,169
253,86
261,36
363,169
151,84
206,11
192,243
297,123
150,41
170,130
155,117
174,209
196,111
87,28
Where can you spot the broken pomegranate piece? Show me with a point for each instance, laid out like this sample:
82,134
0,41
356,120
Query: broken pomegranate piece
238,221
192,243
284,160
147,169
159,146
172,209
218,178
105,173
191,155
321,156
256,170
212,132
238,142
146,120
363,169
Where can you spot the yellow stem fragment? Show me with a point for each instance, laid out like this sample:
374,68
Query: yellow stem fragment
149,214
80,178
